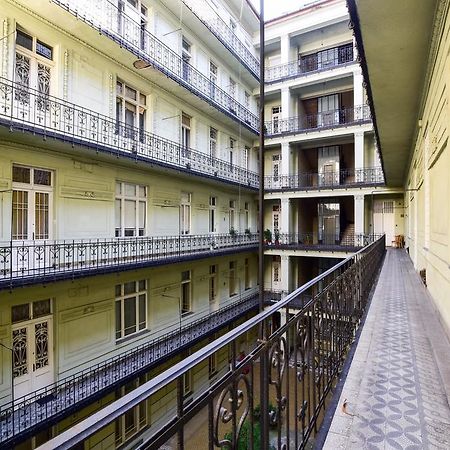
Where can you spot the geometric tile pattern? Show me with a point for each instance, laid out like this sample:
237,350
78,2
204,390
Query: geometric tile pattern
394,390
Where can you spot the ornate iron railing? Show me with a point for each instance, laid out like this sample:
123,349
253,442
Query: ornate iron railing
306,65
313,240
369,176
23,108
275,396
106,17
26,262
323,120
224,34
51,403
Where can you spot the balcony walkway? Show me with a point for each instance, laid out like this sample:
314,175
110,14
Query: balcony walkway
398,383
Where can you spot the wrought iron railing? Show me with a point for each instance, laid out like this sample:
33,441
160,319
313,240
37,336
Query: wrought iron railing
323,120
311,240
306,65
59,399
224,34
24,108
105,16
369,176
274,397
25,262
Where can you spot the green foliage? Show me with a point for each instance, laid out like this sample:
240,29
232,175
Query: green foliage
244,437
267,235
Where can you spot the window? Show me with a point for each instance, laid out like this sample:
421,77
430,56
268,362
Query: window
186,57
246,216
232,93
131,308
135,419
276,261
212,142
232,214
232,279
276,117
212,78
212,365
32,69
131,209
246,274
231,149
186,294
245,157
31,203
213,282
247,100
185,134
187,383
212,214
185,213
33,310
131,107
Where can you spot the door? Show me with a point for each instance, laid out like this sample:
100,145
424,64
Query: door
329,230
276,161
328,109
276,118
276,211
384,219
32,345
276,273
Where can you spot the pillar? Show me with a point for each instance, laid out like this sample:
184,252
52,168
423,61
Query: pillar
285,159
359,218
285,274
359,156
285,227
358,90
284,48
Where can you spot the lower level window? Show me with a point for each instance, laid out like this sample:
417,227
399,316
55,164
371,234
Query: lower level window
131,308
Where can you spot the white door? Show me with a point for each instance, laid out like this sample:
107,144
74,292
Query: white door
384,219
328,109
32,346
276,273
276,211
276,117
276,162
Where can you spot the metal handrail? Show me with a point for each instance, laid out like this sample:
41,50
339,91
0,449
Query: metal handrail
86,385
26,108
342,290
309,64
322,180
37,259
323,120
105,16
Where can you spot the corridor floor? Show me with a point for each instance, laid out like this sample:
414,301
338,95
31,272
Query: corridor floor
397,388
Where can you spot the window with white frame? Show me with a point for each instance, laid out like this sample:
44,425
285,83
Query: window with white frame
232,279
186,57
135,419
213,282
246,216
32,194
232,214
131,209
186,292
246,156
212,142
187,383
212,365
32,69
185,133
131,106
212,214
231,150
213,75
185,213
247,100
131,308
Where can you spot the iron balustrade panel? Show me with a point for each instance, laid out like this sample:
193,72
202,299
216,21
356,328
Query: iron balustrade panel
323,120
312,240
27,109
37,259
224,34
368,176
49,404
309,64
290,370
106,17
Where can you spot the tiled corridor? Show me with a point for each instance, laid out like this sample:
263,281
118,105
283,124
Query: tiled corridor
397,388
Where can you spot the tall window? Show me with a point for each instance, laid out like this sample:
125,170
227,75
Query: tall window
131,308
246,216
276,117
212,214
213,282
187,383
31,203
186,56
185,134
131,209
185,213
212,142
32,69
231,150
246,274
245,156
212,78
232,279
135,419
232,214
247,100
212,365
232,93
186,294
131,107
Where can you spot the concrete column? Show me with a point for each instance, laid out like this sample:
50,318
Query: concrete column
285,159
358,90
286,103
359,156
285,274
285,48
359,217
285,216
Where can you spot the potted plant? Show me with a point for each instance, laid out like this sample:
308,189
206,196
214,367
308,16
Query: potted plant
232,232
267,236
247,231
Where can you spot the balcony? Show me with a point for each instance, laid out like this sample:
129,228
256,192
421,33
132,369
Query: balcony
345,241
105,17
31,262
310,64
26,109
49,405
347,178
224,34
280,391
327,120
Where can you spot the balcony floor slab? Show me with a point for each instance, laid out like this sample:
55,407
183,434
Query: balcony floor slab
398,383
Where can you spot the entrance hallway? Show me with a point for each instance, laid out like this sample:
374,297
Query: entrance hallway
398,385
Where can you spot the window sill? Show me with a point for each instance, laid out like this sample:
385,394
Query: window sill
132,336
